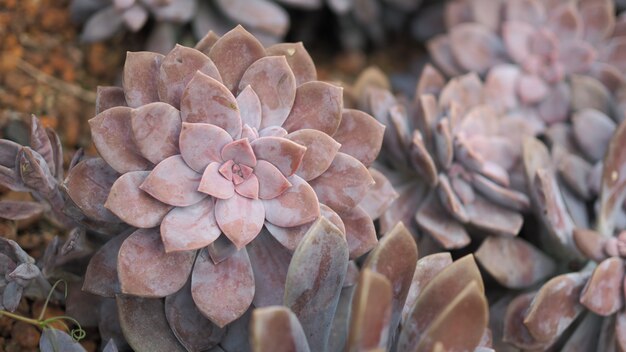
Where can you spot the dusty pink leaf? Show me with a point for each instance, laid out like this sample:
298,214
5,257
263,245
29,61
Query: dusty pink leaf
221,249
249,107
272,183
502,196
603,293
285,154
461,324
101,275
177,69
475,48
19,210
173,182
577,57
296,206
565,22
438,223
371,312
290,237
613,190
134,206
620,330
275,85
112,134
224,291
240,218
189,228
421,160
379,197
360,135
270,262
514,330
88,184
239,151
575,173
589,93
513,262
529,11
277,329
344,184
500,87
320,152
192,329
262,15
249,188
298,59
314,280
614,51
156,128
201,144
531,89
449,199
146,270
440,48
436,297
360,231
233,53
108,97
494,218
555,307
593,131
590,243
214,184
317,106
516,36
431,81
426,269
144,324
395,257
206,100
141,74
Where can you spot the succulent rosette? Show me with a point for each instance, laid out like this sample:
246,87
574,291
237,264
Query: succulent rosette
239,147
549,41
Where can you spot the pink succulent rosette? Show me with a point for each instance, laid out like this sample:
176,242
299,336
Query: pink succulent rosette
549,40
240,141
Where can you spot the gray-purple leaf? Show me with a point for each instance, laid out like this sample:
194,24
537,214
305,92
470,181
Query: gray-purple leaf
613,190
314,280
108,97
101,275
11,296
53,340
270,262
8,153
40,142
24,273
19,210
35,173
276,329
145,326
110,346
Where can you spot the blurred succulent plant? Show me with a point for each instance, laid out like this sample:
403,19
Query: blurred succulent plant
257,152
548,41
398,303
103,18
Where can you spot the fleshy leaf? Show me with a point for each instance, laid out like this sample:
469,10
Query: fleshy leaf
314,280
380,196
214,184
265,16
555,307
134,206
156,128
603,293
108,97
101,274
112,134
270,262
317,106
233,53
438,223
19,210
192,329
141,73
344,184
144,324
146,270
201,144
513,262
206,100
360,135
613,190
296,206
177,69
320,152
189,228
275,85
240,218
283,153
41,143
224,291
395,257
590,243
593,131
298,58
54,340
239,151
514,330
475,48
250,107
272,183
371,312
360,231
173,182
277,329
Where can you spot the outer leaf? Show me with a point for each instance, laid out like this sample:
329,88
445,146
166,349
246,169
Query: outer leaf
360,135
396,258
360,231
53,340
223,292
371,312
613,190
145,326
475,47
262,15
19,210
320,152
298,59
40,142
240,218
156,128
314,281
514,330
192,329
173,182
141,72
317,106
108,97
101,275
191,227
603,294
145,269
276,329
270,262
513,262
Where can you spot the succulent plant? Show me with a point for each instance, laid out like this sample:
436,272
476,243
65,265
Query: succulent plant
397,303
591,300
257,152
547,41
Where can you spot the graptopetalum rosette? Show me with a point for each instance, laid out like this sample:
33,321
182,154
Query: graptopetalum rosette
226,149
